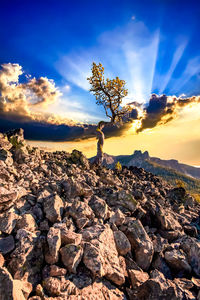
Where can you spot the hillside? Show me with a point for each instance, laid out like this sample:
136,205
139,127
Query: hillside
72,230
167,169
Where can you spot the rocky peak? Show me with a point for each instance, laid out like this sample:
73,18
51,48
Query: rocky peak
72,230
141,156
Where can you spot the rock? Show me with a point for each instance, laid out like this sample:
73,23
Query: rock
167,220
160,264
57,271
54,242
27,222
52,286
53,208
78,158
81,213
100,253
140,243
99,207
159,244
117,218
122,243
191,247
71,256
7,244
44,225
27,256
126,199
8,221
157,287
75,189
68,229
4,143
12,289
2,260
191,231
100,289
177,260
184,283
7,198
70,237
137,277
177,195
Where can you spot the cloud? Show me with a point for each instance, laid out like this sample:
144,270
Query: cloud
22,105
163,109
19,100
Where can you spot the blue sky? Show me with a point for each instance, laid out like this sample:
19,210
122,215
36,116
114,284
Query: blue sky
152,44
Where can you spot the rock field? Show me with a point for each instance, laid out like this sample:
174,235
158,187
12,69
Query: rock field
72,230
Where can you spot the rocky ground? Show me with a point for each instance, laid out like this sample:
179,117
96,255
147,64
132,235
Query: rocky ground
69,230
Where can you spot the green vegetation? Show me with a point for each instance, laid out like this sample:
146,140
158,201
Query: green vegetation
16,143
175,178
118,167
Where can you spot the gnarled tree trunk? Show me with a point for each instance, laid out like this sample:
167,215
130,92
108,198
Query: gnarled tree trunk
100,143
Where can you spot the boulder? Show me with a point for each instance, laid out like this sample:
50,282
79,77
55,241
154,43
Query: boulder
7,244
52,286
71,256
140,243
13,289
81,212
57,271
122,243
177,260
70,237
137,277
54,242
157,287
117,218
160,264
8,221
191,247
99,207
100,253
99,290
27,256
27,222
167,220
75,189
53,208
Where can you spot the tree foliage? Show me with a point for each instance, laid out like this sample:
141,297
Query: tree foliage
109,93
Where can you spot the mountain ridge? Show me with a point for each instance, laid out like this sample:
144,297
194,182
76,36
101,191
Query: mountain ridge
137,157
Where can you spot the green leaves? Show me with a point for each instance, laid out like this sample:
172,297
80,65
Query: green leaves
108,93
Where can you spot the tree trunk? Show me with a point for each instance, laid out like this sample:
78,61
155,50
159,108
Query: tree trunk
100,143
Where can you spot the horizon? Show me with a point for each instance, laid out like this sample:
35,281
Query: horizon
46,56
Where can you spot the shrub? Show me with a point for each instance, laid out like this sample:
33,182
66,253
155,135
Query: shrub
118,167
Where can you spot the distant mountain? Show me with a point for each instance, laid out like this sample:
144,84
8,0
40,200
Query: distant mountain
138,158
171,170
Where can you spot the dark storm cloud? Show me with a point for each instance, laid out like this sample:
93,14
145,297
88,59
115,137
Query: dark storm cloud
163,109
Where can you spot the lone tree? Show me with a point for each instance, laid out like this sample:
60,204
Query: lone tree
108,93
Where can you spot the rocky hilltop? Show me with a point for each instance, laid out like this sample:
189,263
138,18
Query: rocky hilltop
70,230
